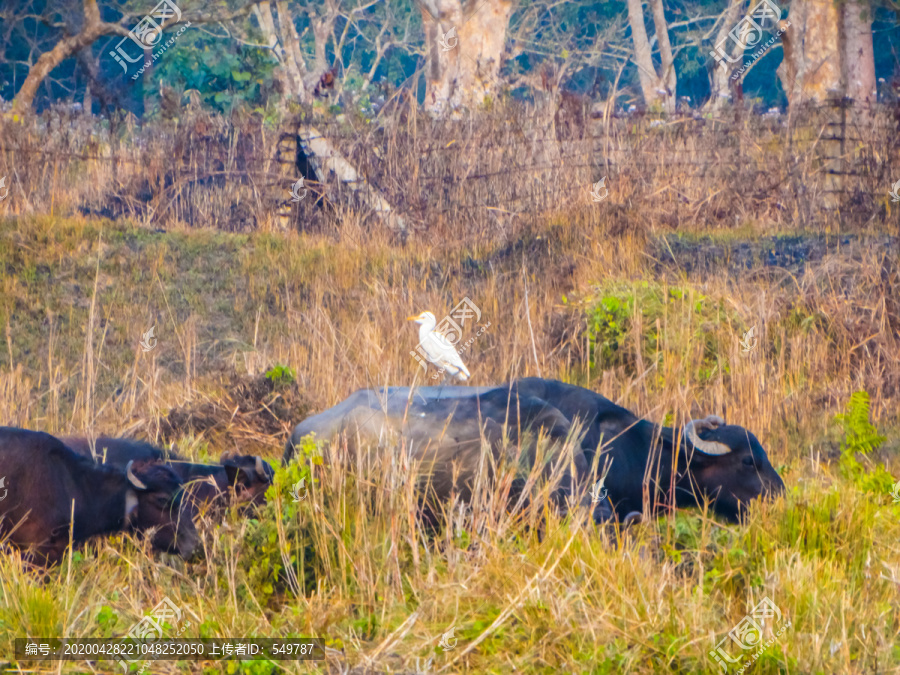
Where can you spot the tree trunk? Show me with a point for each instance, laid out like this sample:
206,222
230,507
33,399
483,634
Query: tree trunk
328,161
667,80
288,75
811,69
720,85
858,53
464,44
658,90
643,57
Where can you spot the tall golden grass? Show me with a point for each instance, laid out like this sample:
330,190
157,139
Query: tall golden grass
528,592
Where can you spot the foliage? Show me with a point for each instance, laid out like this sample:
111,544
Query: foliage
682,311
281,532
227,74
281,375
861,437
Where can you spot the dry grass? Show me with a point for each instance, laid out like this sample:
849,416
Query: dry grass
529,593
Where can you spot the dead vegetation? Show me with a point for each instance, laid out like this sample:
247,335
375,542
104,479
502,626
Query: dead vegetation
818,169
248,411
644,297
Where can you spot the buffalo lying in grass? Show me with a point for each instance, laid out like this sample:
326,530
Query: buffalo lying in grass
240,479
44,478
446,435
705,460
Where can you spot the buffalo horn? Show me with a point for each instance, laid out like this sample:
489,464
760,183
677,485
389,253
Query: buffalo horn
260,467
706,447
134,480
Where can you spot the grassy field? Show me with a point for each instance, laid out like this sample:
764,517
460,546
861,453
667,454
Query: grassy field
651,320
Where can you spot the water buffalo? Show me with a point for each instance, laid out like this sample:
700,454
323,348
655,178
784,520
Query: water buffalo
722,463
445,434
241,479
44,478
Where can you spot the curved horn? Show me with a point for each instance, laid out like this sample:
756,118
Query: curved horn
706,447
134,480
260,467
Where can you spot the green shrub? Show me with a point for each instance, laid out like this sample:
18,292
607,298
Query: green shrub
265,564
281,375
685,315
861,437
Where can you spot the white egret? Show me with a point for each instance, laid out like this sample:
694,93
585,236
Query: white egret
438,349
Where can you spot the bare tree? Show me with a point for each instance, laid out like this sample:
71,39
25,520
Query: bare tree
658,87
301,77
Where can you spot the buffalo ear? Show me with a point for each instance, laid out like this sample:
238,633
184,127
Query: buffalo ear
633,518
131,505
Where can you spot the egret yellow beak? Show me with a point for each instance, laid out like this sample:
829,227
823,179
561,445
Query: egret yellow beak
412,318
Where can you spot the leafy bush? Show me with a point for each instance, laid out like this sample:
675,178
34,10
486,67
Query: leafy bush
281,375
265,566
680,313
861,437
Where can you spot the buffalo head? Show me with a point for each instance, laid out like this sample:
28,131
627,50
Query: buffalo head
729,466
154,500
250,475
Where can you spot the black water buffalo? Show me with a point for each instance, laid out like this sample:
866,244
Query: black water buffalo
44,477
240,479
445,434
722,463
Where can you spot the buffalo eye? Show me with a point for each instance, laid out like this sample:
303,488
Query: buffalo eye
748,461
